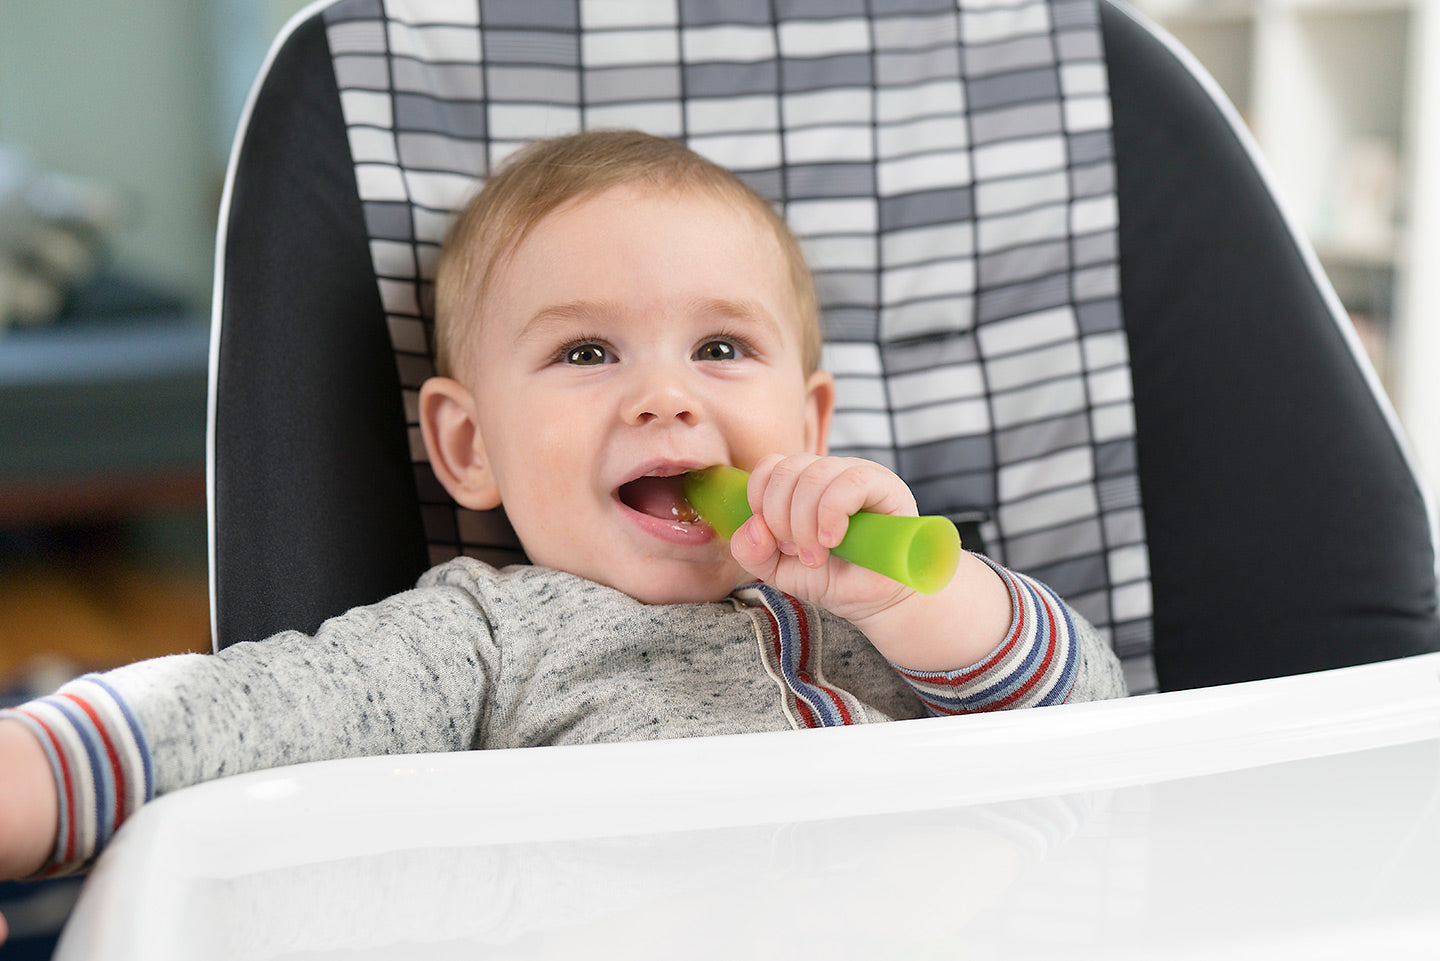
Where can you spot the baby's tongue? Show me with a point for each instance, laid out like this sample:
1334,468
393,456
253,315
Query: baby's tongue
659,497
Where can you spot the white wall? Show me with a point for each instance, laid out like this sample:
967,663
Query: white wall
1418,347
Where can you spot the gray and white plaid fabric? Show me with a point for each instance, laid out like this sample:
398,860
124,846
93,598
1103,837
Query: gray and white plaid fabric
948,167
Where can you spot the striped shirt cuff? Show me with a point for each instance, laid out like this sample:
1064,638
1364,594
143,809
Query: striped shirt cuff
101,764
1036,664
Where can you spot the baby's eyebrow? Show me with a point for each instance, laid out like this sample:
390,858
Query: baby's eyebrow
736,311
566,315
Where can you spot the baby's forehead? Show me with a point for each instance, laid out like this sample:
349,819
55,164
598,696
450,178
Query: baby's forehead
733,197
753,215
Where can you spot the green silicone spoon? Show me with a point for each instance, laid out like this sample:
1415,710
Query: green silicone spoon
919,552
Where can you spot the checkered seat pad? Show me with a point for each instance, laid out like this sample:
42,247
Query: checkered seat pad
949,173
950,169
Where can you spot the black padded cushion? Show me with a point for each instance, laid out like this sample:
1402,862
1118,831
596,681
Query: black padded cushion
1286,531
314,497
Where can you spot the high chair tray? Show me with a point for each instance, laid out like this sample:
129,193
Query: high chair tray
1297,817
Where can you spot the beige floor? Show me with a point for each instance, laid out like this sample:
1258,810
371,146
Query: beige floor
56,621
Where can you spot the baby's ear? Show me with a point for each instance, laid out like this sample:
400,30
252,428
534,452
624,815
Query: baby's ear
819,411
454,444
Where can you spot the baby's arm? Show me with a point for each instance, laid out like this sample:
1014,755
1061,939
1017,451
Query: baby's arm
402,676
991,638
29,805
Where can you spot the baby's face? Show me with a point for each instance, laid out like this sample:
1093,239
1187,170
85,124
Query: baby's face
633,336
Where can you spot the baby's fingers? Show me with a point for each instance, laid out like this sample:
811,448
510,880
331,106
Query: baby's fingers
790,504
850,489
770,492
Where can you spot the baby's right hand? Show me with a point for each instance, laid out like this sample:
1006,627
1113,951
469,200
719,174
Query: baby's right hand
29,803
802,506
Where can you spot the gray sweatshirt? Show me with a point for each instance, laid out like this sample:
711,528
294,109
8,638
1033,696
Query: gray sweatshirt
479,658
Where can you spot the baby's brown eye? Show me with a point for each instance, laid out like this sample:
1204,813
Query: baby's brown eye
716,350
586,355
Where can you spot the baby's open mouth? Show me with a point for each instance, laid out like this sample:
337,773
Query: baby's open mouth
662,497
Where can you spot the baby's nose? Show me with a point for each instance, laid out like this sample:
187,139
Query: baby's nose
663,398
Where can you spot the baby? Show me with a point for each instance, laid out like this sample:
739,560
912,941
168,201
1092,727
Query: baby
612,312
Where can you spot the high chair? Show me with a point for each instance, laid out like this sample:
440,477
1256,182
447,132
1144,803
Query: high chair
1059,294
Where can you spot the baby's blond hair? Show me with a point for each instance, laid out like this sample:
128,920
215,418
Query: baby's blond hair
545,175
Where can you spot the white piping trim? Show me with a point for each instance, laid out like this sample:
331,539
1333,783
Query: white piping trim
1307,252
216,305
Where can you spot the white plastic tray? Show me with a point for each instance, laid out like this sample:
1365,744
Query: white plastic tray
1295,817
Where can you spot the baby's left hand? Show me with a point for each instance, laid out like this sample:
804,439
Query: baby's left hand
802,506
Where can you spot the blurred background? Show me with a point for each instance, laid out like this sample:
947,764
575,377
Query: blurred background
115,127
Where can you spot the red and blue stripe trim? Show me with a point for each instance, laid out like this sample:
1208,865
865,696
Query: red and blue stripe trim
1036,665
791,643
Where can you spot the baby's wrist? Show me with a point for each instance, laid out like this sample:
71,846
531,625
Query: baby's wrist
29,803
951,630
